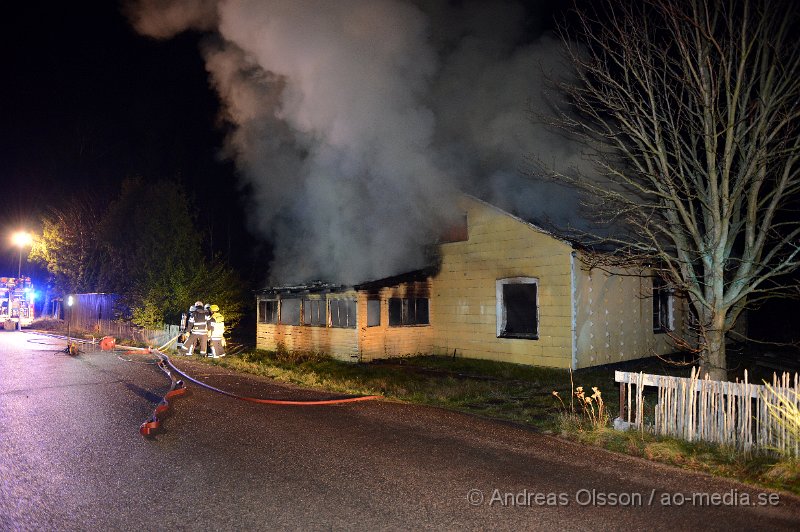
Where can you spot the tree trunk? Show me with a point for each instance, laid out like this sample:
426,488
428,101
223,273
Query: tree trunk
714,361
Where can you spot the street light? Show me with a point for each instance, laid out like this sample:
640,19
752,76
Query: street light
72,349
21,239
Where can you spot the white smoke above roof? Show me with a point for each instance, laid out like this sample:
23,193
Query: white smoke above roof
355,122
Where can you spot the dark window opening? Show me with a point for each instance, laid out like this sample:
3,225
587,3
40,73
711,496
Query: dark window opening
662,306
421,312
373,312
268,311
519,310
408,311
290,312
314,312
343,313
395,312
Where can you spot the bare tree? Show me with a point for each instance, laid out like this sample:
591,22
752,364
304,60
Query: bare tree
690,109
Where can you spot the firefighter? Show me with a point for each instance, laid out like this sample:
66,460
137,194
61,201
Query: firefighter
198,327
182,337
217,328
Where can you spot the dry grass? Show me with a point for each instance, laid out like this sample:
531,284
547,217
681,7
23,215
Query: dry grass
762,471
504,391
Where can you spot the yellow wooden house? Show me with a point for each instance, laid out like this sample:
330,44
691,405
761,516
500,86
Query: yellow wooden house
504,290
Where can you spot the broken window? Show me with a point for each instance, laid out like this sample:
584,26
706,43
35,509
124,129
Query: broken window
518,308
408,311
343,313
662,306
290,312
268,311
373,312
314,312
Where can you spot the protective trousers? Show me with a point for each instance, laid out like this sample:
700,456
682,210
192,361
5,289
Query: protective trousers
217,349
194,337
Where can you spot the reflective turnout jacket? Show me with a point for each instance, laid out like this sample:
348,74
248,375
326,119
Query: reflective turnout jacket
198,321
217,325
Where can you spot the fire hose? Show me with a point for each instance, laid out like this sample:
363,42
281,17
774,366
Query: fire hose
178,388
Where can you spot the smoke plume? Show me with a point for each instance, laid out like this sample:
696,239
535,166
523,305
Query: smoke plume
355,123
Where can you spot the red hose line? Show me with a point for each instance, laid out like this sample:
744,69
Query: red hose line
167,361
273,401
177,388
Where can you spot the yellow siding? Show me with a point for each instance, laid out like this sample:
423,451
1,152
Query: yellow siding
615,318
382,341
463,302
339,343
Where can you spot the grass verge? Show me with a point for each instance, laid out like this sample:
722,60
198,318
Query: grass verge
512,392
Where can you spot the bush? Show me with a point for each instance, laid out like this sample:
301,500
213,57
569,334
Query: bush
49,324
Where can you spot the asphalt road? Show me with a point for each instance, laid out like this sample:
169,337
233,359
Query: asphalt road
72,458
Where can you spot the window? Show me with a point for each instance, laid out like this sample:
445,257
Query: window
343,313
408,311
268,311
518,308
662,306
395,312
290,312
314,312
373,312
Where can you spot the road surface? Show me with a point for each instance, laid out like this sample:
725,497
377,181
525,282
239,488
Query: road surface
72,458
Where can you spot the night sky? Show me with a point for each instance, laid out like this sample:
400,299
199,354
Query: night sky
87,102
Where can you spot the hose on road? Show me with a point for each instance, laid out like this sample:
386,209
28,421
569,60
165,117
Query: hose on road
178,388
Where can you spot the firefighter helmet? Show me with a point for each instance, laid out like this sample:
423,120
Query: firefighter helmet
214,308
198,304
192,308
206,306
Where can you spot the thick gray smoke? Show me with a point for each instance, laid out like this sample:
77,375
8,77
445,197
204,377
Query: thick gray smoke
355,122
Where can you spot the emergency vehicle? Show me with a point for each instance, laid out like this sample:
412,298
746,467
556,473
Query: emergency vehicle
16,302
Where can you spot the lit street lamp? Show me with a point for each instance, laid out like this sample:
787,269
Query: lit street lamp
21,239
72,349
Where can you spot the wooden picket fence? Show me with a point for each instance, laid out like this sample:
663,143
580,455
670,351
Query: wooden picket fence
739,414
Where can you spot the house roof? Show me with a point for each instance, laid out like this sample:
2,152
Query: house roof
313,287
407,277
319,287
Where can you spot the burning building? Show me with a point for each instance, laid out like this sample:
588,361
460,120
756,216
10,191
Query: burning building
504,289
